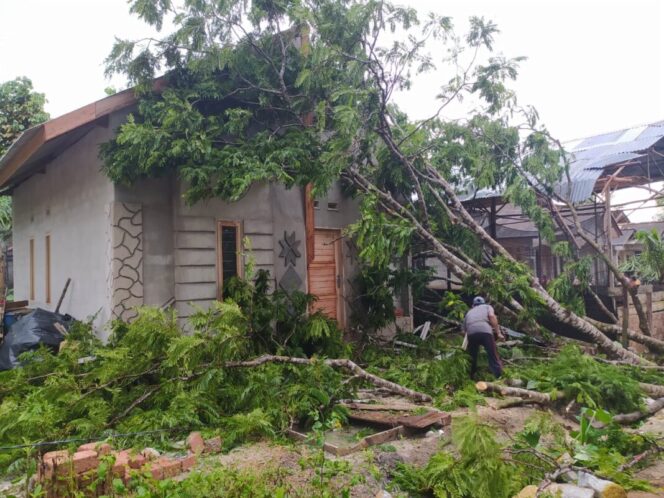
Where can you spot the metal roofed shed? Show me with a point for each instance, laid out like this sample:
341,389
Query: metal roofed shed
638,151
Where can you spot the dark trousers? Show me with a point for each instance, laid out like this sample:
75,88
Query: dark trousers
481,339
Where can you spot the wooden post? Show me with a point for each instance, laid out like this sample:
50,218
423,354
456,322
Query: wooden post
62,296
607,228
625,319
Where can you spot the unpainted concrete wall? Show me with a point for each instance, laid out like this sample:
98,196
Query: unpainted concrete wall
69,201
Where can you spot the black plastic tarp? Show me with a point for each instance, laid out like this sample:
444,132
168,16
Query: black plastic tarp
31,331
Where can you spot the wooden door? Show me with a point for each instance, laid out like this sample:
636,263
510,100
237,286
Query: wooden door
325,273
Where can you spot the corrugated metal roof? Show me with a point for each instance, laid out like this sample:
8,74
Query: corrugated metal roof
590,157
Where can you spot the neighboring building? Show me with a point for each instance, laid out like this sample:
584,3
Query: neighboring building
142,245
626,246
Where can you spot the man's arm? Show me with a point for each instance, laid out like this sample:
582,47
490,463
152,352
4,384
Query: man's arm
495,325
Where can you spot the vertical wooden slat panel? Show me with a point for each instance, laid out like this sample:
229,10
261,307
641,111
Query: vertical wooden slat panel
32,269
47,247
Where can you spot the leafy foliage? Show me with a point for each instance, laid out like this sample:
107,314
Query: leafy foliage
568,287
20,108
480,469
590,383
275,320
649,264
152,377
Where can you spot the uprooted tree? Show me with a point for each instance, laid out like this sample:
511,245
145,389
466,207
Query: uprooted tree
301,92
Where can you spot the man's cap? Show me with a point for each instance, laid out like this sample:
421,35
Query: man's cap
478,300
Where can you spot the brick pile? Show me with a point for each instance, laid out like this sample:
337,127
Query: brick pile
61,470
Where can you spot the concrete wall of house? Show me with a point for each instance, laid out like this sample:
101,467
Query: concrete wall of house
69,202
156,199
266,214
196,242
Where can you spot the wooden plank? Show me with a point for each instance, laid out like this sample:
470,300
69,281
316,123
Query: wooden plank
22,155
47,250
426,420
14,305
403,407
309,230
32,269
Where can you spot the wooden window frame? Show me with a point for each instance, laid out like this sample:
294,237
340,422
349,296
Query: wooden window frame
31,253
47,250
220,255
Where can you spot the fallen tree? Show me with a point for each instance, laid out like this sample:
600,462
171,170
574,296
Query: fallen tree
344,364
530,396
320,93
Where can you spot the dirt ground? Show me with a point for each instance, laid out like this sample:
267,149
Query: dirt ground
376,463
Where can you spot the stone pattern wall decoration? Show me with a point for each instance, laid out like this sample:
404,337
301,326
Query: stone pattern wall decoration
291,281
126,259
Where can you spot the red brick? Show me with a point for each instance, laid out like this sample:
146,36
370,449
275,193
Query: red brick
171,467
137,461
196,443
54,462
56,456
213,445
84,461
156,470
188,462
121,464
100,448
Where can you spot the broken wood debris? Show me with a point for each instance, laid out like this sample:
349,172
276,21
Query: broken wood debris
372,440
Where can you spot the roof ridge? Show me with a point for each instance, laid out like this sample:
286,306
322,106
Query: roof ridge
633,127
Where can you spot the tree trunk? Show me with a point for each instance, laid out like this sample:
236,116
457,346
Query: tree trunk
614,331
526,394
630,418
652,390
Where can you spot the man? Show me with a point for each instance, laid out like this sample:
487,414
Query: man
480,325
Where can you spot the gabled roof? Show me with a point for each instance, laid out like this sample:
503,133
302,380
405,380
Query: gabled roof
37,144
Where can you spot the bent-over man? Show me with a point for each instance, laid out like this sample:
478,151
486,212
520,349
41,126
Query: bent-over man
480,325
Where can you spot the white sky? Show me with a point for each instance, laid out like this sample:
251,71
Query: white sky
593,65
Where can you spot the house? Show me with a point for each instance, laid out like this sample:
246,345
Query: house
127,246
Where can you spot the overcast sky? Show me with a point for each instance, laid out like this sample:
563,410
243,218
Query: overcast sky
593,65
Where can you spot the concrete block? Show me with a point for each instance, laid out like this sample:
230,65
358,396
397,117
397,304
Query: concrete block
195,224
195,274
195,257
82,461
194,291
257,227
195,240
195,443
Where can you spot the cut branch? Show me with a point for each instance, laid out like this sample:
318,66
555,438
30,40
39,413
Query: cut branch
630,418
343,364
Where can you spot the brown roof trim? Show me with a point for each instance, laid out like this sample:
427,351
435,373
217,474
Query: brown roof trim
31,140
